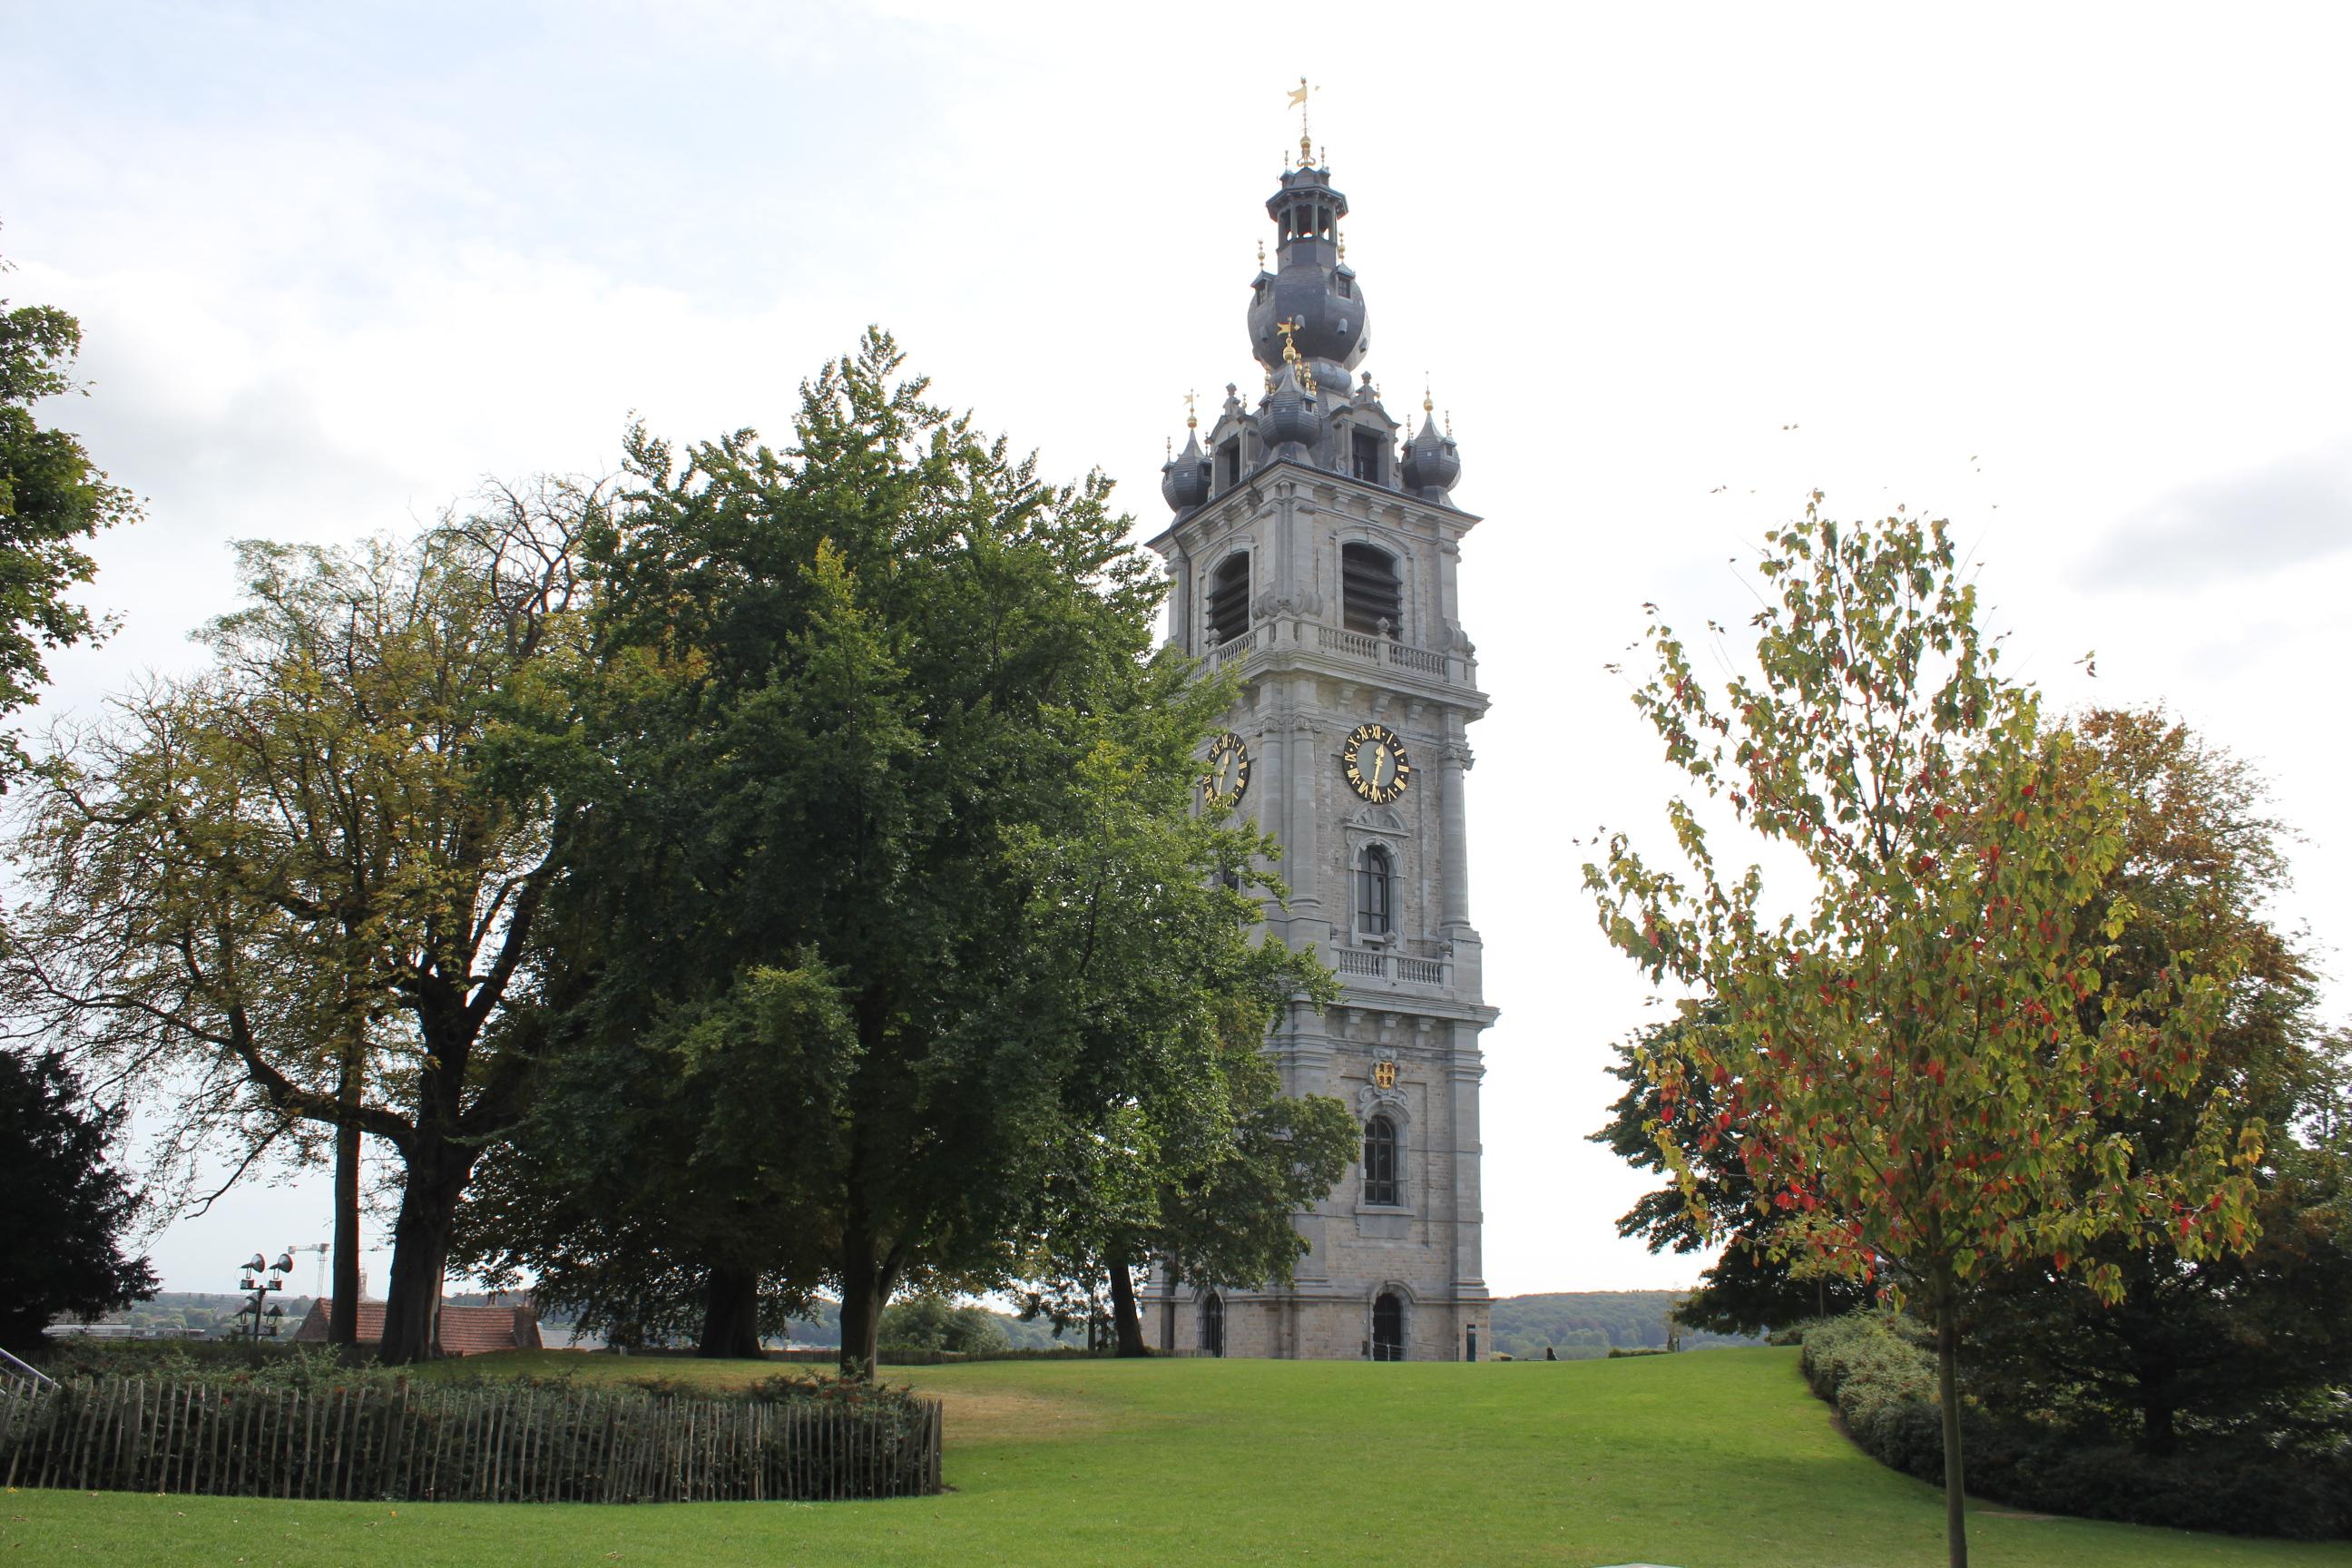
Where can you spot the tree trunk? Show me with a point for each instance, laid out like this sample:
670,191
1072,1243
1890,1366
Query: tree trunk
344,1306
861,1327
1122,1305
1947,1356
865,1289
436,1174
730,1316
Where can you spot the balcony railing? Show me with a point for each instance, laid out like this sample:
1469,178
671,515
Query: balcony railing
1347,645
1388,968
1358,644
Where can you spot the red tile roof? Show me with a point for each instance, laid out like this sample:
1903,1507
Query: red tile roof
465,1330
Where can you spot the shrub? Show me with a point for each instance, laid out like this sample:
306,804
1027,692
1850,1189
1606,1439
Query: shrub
1881,1379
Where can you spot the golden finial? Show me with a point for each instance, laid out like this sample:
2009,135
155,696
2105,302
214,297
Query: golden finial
1427,404
1342,235
1191,414
1171,442
1449,425
1290,356
1261,256
1299,102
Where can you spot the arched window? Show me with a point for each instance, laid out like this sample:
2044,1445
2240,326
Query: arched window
1375,891
1213,1324
1380,1184
1388,1327
1229,595
1369,593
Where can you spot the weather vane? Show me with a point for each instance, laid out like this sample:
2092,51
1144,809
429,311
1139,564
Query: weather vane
1306,143
1191,414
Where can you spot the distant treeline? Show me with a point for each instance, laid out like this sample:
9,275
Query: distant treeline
1579,1325
1586,1325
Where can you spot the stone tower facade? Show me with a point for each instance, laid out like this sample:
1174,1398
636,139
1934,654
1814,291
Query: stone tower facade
1313,553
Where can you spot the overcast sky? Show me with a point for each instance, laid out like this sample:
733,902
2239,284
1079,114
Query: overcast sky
2076,278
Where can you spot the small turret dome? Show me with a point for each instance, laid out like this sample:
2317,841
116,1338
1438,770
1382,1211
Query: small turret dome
1184,478
1431,461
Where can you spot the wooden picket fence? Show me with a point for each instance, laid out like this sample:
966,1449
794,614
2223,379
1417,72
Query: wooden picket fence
419,1443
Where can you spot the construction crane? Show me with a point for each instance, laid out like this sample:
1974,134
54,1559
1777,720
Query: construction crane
321,1248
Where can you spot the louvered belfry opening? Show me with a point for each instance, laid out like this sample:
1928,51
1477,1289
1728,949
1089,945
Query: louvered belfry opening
1229,595
1368,591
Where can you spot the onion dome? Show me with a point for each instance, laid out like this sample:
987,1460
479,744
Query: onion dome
1312,289
1289,417
1431,462
1184,479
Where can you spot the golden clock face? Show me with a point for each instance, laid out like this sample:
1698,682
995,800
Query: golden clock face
1375,763
1228,776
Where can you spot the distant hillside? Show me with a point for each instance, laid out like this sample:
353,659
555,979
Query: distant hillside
199,1311
1582,1325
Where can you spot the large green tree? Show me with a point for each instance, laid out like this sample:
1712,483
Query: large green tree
297,891
52,498
1908,1047
61,1226
880,730
2254,1342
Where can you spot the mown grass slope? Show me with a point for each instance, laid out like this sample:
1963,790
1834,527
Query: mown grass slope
1717,1460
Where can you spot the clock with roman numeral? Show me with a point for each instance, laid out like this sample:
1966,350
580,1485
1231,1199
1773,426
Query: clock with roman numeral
1228,776
1375,763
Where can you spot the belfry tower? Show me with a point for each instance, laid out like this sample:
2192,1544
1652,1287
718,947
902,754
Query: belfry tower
1314,551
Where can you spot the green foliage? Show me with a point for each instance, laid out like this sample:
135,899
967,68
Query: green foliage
1913,1058
1751,1287
1918,1060
935,1323
65,1208
2250,1345
296,891
888,897
1882,1377
51,498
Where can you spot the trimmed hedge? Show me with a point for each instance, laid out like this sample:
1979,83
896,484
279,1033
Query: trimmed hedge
302,1427
1881,1376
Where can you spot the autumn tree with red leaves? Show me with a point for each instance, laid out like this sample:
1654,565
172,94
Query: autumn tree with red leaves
1918,1057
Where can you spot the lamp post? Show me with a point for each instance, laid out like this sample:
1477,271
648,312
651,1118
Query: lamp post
265,1322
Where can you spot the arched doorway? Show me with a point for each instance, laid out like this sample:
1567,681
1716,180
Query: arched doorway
1213,1324
1388,1327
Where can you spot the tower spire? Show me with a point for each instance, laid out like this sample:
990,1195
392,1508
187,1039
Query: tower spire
1311,285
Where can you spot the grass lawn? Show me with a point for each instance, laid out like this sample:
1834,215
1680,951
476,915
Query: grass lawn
1717,1460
